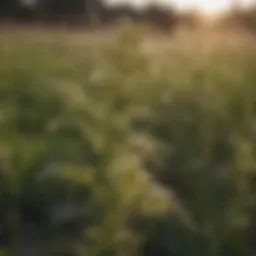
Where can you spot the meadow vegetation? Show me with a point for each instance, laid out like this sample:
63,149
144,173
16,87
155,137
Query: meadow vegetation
127,144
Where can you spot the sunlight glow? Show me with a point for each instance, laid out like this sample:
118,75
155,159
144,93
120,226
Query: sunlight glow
206,6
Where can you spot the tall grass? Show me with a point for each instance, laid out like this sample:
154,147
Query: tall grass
134,130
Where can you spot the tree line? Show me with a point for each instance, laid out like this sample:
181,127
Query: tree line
85,12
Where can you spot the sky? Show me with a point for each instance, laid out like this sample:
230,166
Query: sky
207,6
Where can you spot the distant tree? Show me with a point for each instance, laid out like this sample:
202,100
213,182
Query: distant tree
160,17
7,7
56,9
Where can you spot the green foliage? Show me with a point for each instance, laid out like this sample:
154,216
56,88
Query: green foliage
152,152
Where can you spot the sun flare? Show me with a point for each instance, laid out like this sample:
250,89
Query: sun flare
206,6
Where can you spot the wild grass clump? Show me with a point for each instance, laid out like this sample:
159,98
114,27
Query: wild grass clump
141,148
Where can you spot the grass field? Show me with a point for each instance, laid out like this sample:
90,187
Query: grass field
148,124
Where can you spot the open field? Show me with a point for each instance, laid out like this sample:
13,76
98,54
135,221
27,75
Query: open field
134,142
202,40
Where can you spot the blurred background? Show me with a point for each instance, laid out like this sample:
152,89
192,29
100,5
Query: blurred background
127,128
